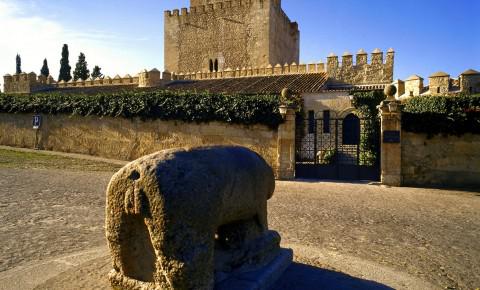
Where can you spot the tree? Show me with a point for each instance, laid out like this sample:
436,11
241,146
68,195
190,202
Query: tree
81,71
19,64
65,66
96,73
45,71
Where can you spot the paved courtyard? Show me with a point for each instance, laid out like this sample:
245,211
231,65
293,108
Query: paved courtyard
344,235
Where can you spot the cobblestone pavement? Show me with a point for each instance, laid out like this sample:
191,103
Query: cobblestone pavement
432,235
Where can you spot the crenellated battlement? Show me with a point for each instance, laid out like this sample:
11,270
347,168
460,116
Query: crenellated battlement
268,70
377,71
217,7
29,83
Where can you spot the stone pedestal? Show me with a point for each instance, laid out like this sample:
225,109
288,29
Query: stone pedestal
391,146
286,146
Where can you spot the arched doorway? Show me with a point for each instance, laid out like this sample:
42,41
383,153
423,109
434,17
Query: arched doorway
351,130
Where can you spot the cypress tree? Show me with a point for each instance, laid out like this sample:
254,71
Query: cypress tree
45,71
96,73
65,66
19,64
81,71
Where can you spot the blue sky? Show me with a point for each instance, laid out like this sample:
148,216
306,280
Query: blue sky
126,36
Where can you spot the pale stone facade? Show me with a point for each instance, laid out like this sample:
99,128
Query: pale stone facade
125,139
216,35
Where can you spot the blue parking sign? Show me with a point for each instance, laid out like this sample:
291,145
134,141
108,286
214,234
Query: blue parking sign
37,121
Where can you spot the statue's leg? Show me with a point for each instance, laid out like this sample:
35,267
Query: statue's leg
186,258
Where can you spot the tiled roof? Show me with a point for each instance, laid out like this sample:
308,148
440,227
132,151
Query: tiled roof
439,74
298,83
470,72
414,77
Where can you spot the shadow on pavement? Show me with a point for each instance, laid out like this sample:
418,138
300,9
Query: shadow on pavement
305,277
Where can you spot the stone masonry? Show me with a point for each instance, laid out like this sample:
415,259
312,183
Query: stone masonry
216,35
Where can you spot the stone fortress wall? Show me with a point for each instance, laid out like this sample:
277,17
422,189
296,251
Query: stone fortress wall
215,35
377,72
29,83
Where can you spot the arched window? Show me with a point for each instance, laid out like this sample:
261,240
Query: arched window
215,66
351,130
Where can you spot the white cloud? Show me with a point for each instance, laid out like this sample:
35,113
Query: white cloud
36,38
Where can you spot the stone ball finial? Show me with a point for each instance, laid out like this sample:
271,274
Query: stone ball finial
390,91
286,93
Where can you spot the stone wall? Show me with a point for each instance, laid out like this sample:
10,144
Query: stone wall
470,83
29,83
377,71
126,139
440,161
439,86
234,34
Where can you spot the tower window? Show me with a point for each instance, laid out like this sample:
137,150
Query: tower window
215,66
211,65
411,93
438,90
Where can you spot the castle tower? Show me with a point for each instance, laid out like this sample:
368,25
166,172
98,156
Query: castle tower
439,83
217,34
470,81
414,86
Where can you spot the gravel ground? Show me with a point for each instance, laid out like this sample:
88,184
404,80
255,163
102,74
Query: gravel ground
431,235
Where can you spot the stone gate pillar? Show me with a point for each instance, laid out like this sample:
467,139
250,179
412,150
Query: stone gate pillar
286,145
391,146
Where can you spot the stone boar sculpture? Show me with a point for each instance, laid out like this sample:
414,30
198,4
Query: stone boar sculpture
186,218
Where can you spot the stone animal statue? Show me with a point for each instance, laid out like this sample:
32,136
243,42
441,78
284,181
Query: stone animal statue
185,218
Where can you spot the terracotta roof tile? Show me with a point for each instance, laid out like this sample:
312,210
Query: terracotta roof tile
299,83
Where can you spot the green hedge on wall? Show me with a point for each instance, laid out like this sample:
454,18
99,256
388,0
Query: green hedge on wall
161,104
448,115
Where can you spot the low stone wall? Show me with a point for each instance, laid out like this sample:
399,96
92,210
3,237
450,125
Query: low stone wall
440,161
127,139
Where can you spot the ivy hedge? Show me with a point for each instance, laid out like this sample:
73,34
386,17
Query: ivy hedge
446,115
160,104
366,104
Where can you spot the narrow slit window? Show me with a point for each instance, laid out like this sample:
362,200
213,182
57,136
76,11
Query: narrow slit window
215,66
438,90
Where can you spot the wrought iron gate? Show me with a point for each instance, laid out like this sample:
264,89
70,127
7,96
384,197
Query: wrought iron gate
331,148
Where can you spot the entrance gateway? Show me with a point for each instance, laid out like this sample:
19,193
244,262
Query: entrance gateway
341,148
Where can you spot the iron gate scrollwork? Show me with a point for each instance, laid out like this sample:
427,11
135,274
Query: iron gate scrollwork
337,148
